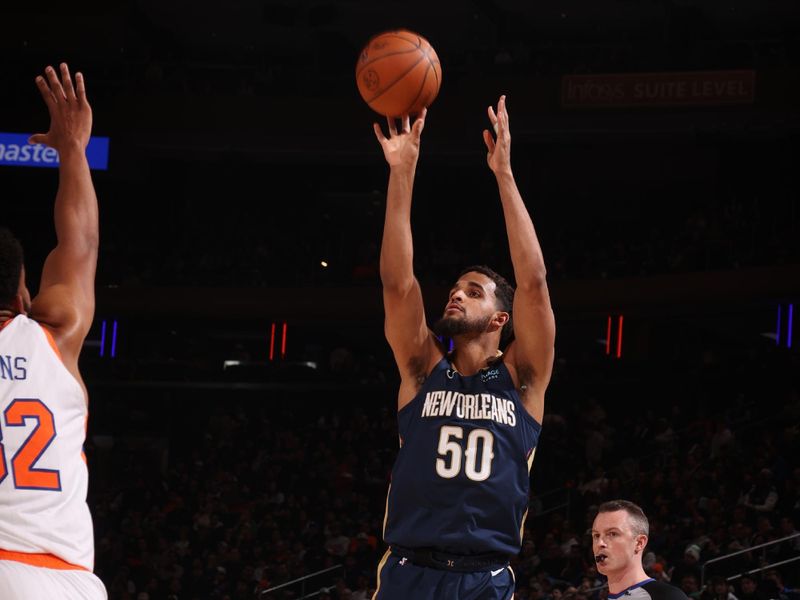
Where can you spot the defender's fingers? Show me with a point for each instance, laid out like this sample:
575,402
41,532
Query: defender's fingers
81,87
44,90
55,84
66,82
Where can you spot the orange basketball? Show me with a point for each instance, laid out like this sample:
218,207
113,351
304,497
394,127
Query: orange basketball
398,73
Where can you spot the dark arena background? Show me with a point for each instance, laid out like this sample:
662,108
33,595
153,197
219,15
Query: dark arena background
242,394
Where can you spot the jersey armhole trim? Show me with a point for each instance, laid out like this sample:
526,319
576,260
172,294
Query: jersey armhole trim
530,418
51,340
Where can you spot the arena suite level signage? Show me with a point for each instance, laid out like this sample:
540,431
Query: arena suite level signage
15,151
697,88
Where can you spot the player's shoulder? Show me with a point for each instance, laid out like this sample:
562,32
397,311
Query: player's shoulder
659,590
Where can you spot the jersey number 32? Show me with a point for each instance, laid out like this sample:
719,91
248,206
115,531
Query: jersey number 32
25,476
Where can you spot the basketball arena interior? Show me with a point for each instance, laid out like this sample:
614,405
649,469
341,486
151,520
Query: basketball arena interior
242,394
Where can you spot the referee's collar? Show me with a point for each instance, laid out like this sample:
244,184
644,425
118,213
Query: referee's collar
627,590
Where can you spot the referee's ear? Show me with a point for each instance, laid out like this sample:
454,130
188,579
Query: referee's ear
641,543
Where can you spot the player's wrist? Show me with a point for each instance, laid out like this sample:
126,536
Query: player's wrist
70,146
403,169
503,173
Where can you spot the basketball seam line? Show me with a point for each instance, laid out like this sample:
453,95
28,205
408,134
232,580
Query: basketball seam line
421,87
388,87
433,66
372,60
399,37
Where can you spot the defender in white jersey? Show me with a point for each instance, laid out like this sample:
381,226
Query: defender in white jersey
46,537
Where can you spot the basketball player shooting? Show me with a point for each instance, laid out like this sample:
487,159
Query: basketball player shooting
469,421
46,538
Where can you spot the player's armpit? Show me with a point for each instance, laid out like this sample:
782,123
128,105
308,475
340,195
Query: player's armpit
532,352
67,311
414,370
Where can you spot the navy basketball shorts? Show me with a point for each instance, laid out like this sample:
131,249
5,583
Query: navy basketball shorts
398,579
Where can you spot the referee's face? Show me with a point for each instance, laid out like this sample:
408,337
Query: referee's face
615,545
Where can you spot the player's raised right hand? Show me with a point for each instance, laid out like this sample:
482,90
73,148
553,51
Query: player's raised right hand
401,148
70,113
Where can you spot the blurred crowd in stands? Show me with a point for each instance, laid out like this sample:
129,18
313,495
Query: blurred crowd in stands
220,493
223,494
267,245
278,48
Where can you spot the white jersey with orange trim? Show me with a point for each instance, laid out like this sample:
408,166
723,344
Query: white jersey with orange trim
19,581
44,518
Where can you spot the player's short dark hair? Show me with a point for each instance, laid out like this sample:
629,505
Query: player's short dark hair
504,292
11,260
641,526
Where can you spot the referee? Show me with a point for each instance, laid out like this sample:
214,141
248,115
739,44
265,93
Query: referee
619,537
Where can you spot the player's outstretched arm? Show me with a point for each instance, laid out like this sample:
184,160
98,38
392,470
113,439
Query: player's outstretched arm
406,329
531,353
65,302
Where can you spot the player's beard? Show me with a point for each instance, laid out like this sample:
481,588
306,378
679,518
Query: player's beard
451,326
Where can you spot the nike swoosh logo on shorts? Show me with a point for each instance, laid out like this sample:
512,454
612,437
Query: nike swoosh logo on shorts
496,573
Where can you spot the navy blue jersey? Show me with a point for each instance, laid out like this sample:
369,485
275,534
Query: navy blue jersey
461,480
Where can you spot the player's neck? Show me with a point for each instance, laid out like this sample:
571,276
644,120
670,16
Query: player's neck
471,355
621,581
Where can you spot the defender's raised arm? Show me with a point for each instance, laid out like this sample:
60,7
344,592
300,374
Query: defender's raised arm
66,295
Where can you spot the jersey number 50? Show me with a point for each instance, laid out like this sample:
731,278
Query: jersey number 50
450,466
44,432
